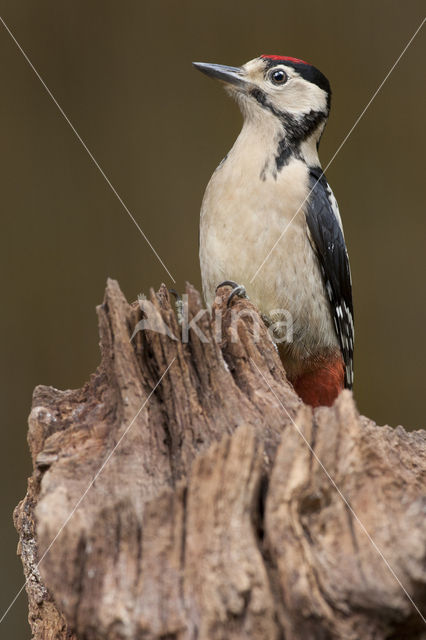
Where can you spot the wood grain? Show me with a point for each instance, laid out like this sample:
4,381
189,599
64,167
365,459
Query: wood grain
217,514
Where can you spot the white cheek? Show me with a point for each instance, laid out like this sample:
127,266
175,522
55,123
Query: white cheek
298,95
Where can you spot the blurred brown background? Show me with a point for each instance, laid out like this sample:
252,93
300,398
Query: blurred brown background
122,73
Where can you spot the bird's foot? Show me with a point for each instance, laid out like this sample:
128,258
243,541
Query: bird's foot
178,305
237,290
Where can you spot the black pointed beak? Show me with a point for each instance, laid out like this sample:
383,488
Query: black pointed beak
229,75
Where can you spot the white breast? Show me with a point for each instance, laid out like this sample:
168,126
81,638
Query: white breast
242,217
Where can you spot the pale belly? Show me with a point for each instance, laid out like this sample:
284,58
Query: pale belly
241,221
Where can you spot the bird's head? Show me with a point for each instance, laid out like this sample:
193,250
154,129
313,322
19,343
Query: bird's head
293,91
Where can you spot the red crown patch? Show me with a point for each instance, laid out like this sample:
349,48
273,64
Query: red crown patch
283,58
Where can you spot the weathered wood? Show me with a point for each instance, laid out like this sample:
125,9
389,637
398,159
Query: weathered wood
204,506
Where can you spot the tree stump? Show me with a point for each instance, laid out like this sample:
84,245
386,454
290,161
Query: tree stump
186,492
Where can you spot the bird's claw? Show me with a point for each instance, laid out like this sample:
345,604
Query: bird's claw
237,290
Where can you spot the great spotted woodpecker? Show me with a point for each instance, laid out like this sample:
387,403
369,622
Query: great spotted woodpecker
271,181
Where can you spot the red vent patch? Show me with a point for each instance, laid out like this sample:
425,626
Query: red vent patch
283,58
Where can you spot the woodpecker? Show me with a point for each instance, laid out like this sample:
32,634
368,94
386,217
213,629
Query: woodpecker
270,225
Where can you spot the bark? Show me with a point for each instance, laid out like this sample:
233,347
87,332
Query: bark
214,504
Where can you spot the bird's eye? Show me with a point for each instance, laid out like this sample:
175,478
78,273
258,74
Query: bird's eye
278,76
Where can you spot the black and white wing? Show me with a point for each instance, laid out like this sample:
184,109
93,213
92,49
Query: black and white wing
323,219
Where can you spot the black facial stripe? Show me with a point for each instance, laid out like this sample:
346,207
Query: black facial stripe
299,129
261,98
296,132
296,129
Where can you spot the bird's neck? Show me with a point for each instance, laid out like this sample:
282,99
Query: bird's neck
273,142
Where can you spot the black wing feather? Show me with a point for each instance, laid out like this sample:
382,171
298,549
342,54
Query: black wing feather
331,250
